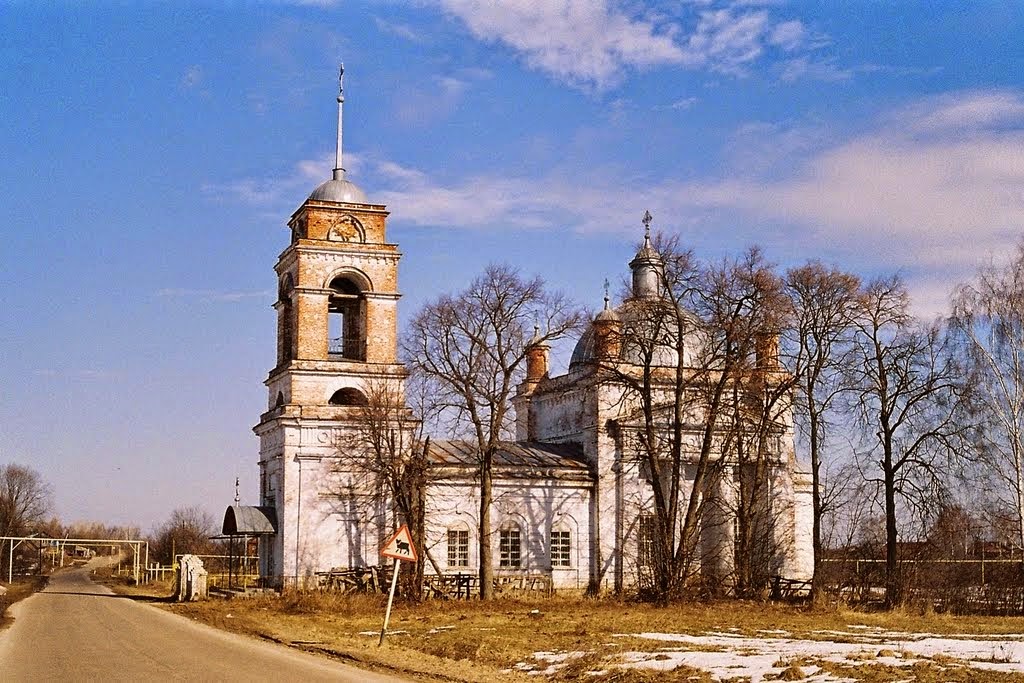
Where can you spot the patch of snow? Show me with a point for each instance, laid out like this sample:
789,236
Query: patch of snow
727,654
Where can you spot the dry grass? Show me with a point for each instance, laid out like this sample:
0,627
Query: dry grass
19,590
470,640
919,672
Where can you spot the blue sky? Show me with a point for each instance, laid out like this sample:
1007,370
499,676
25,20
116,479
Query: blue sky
152,152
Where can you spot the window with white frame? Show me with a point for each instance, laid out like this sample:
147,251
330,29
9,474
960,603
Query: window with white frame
646,530
510,548
458,547
561,543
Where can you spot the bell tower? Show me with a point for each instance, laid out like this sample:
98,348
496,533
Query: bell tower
337,300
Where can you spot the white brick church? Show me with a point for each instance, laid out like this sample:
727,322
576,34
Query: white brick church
570,495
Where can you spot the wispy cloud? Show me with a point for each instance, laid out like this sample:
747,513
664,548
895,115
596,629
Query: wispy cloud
398,29
679,105
813,68
84,374
933,188
286,187
212,295
592,43
436,99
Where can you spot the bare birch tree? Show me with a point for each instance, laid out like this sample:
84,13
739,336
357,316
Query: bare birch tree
988,317
472,347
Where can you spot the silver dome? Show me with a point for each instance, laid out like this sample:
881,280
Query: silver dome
339,190
633,316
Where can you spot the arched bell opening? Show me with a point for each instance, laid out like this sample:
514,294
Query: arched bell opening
348,397
346,320
285,320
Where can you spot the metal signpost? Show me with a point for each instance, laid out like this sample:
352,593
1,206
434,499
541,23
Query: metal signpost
399,548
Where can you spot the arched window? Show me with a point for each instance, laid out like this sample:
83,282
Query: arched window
348,397
279,401
458,547
346,320
286,320
561,547
510,547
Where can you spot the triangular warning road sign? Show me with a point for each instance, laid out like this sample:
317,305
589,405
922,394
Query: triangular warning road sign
400,546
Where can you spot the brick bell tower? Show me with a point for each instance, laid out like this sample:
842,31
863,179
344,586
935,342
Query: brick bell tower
337,299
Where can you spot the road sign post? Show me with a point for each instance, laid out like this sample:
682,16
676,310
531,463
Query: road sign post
401,549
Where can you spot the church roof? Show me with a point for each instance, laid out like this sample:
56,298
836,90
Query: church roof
526,454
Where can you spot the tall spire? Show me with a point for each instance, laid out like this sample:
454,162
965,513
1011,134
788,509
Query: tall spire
339,170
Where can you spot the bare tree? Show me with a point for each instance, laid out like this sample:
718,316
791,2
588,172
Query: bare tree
689,364
822,303
187,530
472,347
906,390
761,404
25,499
387,452
988,318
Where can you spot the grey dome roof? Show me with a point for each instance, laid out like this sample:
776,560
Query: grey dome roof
338,189
584,350
632,316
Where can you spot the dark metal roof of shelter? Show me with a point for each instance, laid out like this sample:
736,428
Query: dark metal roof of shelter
249,520
511,454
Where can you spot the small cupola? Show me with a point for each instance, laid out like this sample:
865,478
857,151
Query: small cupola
646,266
607,332
536,357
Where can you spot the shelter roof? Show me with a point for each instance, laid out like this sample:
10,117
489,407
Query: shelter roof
249,520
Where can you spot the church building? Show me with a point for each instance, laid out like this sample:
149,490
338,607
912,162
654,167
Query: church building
570,497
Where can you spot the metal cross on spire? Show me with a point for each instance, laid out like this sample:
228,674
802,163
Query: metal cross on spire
238,498
647,225
607,298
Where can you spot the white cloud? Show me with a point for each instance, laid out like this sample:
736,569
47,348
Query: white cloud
891,198
401,30
789,35
813,68
212,295
592,42
971,110
680,104
932,188
425,103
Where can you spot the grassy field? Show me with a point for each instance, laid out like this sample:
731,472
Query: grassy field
566,639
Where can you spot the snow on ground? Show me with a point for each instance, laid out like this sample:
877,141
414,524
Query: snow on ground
726,655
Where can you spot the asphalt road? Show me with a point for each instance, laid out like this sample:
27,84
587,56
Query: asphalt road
76,630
